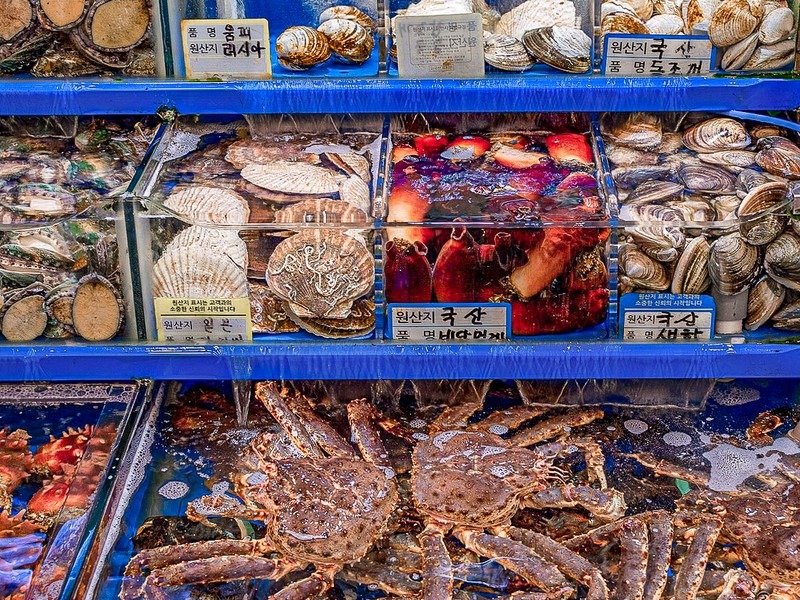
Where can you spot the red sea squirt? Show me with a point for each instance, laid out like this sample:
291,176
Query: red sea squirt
456,272
407,272
569,147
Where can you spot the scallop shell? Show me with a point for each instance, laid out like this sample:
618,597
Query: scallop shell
197,272
350,164
356,193
610,7
348,40
320,210
665,25
695,12
734,20
293,178
737,55
730,159
205,204
351,13
639,271
779,156
623,23
641,131
733,264
770,58
761,213
782,260
707,179
564,48
776,26
320,273
224,241
764,300
667,7
506,53
713,135
691,270
535,14
301,48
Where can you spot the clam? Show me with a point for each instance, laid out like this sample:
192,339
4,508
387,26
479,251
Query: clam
691,271
695,12
665,25
777,25
301,48
770,58
348,40
623,23
622,156
535,14
707,178
733,160
733,264
782,260
657,230
351,13
564,48
694,210
653,192
671,142
726,205
765,298
506,53
761,213
734,20
642,8
761,131
779,156
641,131
737,55
610,7
788,317
637,270
749,179
633,176
667,7
713,135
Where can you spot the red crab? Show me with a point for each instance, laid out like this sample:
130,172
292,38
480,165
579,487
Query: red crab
51,457
15,464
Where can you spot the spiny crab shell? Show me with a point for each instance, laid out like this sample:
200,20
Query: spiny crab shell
51,457
15,463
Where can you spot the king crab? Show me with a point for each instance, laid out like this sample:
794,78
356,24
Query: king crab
324,508
16,463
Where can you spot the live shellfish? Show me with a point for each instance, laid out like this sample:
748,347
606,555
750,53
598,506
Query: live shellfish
535,14
713,135
782,260
665,24
197,272
639,271
299,48
707,178
734,20
206,204
641,131
320,210
736,56
776,26
733,264
293,178
779,156
658,230
223,241
691,270
564,48
765,298
760,213
506,53
773,57
351,13
348,40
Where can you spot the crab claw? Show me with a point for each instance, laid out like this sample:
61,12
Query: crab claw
456,272
466,147
430,145
407,272
569,147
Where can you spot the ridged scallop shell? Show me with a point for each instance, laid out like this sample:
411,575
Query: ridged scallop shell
653,192
761,213
320,273
506,53
782,260
691,271
623,23
776,26
218,240
301,48
293,178
639,271
734,20
667,7
730,159
356,193
205,204
641,131
658,230
348,40
665,25
695,12
764,300
713,135
351,13
733,264
708,179
350,163
564,48
535,14
779,156
770,58
320,210
197,272
737,55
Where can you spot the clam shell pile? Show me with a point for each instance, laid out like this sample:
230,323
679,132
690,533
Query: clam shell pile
704,204
752,35
535,31
344,32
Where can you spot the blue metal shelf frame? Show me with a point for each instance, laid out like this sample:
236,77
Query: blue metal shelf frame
366,360
387,95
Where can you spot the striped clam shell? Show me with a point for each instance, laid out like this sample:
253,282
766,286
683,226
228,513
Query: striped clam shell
301,48
348,40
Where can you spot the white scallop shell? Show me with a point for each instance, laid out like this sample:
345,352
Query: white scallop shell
734,20
697,11
225,241
534,14
206,204
293,178
197,272
356,193
665,24
776,26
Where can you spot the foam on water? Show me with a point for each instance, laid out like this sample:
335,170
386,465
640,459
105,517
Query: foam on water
734,394
440,440
501,471
173,490
417,424
498,429
636,426
731,465
677,438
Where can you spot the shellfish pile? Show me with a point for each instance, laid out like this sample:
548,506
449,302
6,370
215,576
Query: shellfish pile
752,35
554,278
704,205
344,32
550,32
76,38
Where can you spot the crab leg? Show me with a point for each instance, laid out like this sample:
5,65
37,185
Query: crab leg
555,426
660,533
606,505
690,575
739,585
269,394
592,453
221,568
501,421
437,579
516,557
365,435
313,586
319,430
163,556
454,417
388,580
633,560
662,467
568,562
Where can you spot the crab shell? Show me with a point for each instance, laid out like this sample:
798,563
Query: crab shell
51,457
15,458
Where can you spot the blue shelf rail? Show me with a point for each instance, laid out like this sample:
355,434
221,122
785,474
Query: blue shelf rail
387,95
370,360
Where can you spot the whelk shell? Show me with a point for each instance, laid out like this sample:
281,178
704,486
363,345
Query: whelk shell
737,55
639,271
782,260
779,156
348,40
734,20
761,213
768,58
293,178
535,14
691,270
564,48
506,52
776,26
733,264
351,13
765,298
205,204
197,272
301,47
719,133
707,178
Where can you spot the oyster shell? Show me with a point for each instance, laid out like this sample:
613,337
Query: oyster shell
197,272
782,260
223,241
348,40
770,58
779,156
761,215
564,48
641,131
356,193
665,25
707,179
321,210
777,25
299,48
206,204
714,135
734,20
733,264
351,13
536,14
506,53
737,55
733,160
320,273
765,298
293,178
691,271
639,271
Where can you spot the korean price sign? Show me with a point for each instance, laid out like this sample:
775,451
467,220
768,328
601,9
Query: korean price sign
456,323
656,55
440,46
184,320
655,317
226,49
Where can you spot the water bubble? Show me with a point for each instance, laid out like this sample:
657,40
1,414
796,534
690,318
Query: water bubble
257,478
420,436
501,471
173,490
498,429
734,394
417,424
220,487
440,440
677,438
491,451
636,426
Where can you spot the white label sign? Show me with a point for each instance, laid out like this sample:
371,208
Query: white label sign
182,320
454,323
656,56
226,49
667,325
440,46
